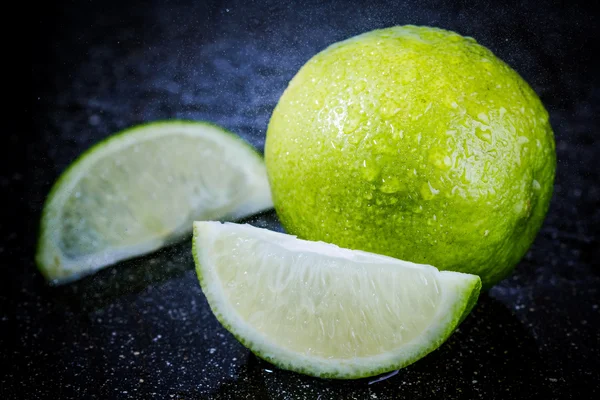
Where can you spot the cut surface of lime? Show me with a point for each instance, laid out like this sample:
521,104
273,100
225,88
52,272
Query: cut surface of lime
141,189
323,310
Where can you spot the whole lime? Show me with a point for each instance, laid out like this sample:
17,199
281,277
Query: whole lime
417,143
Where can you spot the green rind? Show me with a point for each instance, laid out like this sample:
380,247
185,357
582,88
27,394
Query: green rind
334,160
472,301
64,177
461,310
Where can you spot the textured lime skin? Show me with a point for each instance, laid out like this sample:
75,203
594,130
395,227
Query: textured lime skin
417,143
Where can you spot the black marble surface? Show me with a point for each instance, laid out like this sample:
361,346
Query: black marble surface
143,330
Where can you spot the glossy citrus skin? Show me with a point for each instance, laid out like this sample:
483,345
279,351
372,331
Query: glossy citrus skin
416,143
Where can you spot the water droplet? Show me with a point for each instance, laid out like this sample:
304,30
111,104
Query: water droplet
383,147
397,134
391,185
518,207
483,117
355,138
351,124
439,159
483,134
370,170
428,191
388,108
486,171
536,185
360,86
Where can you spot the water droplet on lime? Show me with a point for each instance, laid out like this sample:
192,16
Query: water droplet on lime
391,185
482,132
370,170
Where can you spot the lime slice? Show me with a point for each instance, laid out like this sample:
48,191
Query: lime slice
322,310
141,189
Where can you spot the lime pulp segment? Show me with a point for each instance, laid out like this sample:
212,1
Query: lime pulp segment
322,310
141,189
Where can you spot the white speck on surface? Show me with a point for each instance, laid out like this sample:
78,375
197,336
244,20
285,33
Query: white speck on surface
384,377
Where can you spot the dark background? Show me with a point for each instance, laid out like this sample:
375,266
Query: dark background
143,329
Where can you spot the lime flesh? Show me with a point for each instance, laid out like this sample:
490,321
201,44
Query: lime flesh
141,189
322,310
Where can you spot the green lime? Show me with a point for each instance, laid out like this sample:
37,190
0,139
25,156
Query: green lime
141,189
322,310
417,143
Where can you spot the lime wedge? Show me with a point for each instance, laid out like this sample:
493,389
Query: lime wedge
322,310
141,189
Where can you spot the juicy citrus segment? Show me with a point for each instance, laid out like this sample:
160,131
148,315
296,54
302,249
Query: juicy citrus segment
323,310
141,189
